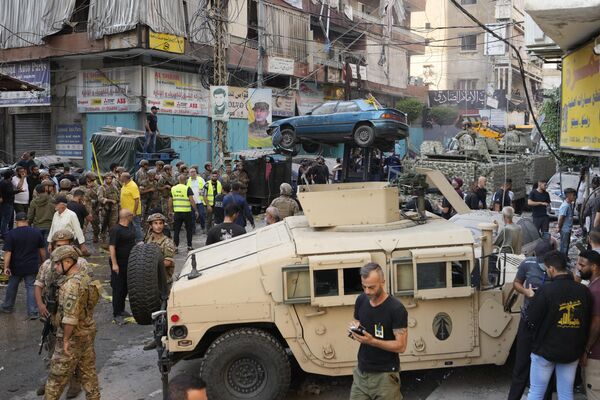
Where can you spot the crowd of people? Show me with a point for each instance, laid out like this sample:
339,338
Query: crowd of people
46,219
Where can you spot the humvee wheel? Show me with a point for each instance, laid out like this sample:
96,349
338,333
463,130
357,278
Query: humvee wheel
246,363
146,281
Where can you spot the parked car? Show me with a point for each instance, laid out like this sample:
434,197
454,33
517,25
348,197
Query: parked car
45,162
556,187
358,121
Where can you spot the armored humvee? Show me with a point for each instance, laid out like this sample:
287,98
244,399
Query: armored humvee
252,305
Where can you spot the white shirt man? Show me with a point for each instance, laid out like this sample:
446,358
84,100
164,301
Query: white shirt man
65,219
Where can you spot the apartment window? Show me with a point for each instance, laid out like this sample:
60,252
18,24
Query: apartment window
468,42
467,2
466,84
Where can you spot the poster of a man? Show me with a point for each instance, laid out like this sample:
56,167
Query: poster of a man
219,97
259,117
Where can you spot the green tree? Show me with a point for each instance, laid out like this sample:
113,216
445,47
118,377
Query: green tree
444,115
412,107
551,128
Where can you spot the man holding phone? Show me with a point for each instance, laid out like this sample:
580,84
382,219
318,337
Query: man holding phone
531,275
380,325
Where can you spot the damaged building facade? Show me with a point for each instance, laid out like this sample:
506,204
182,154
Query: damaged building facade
106,62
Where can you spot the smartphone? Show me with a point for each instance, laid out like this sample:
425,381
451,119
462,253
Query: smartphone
359,330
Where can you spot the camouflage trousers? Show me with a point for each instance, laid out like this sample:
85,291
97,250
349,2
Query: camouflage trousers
109,218
82,358
75,380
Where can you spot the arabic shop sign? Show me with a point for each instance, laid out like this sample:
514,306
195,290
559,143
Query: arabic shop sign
109,90
175,92
35,72
580,123
471,99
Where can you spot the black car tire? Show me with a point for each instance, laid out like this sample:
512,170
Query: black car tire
246,363
364,136
146,281
311,147
288,138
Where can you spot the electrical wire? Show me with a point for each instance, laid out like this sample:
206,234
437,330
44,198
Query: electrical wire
521,70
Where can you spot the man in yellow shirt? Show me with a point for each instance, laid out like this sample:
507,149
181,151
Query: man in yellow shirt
130,200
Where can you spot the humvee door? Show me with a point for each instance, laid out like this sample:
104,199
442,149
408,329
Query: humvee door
434,285
323,294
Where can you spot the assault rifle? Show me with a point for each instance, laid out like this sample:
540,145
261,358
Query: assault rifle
52,306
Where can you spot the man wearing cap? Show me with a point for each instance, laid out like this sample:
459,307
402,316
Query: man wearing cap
261,116
46,278
284,203
75,327
159,165
149,193
41,208
531,275
151,131
66,219
108,197
142,173
24,250
65,188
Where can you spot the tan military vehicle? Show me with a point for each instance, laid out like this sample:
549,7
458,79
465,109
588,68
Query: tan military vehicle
253,305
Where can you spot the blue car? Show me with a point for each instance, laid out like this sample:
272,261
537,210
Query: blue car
358,121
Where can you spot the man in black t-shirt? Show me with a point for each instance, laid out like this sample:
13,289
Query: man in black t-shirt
319,173
503,197
218,210
380,325
539,200
77,207
228,229
151,131
121,241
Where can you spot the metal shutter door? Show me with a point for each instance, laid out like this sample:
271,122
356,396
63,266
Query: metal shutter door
32,133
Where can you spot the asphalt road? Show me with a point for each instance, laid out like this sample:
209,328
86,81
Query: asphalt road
127,372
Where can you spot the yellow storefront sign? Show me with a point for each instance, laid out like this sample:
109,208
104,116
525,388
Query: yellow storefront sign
166,42
580,108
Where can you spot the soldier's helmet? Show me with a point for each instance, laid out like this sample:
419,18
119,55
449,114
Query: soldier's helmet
144,162
119,170
62,234
108,175
285,189
47,182
152,171
156,217
64,252
159,163
65,183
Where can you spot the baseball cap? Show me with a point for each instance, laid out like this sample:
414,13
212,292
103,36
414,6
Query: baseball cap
21,216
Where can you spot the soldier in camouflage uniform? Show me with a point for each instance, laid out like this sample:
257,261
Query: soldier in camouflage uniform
159,166
284,203
65,189
165,182
149,193
92,199
241,176
117,180
75,327
142,172
45,278
108,197
155,235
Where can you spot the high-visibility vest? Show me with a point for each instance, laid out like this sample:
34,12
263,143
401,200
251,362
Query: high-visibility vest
181,201
201,183
210,196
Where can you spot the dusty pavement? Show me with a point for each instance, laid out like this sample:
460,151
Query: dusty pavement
127,372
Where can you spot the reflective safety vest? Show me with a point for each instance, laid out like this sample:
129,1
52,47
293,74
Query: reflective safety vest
201,183
210,196
181,201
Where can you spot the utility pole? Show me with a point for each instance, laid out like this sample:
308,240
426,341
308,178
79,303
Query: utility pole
261,43
219,138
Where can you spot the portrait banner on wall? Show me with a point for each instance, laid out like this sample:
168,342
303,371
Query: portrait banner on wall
219,108
308,97
259,117
175,92
284,103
